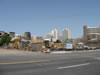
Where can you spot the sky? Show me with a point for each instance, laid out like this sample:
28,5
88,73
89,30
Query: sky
42,16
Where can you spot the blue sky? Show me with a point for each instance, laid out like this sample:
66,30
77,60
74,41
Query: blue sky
41,16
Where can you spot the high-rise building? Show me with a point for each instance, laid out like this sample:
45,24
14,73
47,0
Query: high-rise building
52,36
27,35
91,33
55,34
92,36
66,34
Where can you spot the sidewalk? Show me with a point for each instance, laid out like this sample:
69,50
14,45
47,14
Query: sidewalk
5,52
61,52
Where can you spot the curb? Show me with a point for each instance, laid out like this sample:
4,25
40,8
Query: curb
80,51
6,48
61,52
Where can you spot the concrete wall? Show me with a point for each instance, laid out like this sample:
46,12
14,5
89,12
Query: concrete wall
36,46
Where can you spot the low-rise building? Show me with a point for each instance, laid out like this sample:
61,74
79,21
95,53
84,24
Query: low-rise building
3,33
12,34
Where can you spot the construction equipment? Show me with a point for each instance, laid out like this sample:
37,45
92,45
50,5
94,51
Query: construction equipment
51,45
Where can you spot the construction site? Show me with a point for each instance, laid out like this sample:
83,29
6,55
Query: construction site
35,45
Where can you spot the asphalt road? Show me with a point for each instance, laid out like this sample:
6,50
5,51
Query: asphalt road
84,63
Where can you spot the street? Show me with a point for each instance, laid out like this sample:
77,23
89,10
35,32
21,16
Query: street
82,63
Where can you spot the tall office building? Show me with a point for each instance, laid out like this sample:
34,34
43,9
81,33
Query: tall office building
66,34
55,34
27,35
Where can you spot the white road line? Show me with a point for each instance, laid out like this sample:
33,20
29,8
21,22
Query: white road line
73,66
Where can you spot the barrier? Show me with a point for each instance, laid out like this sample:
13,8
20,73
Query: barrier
24,49
31,49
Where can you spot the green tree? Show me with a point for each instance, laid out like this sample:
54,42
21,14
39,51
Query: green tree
58,41
5,39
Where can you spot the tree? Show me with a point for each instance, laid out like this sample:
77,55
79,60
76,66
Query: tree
58,41
5,39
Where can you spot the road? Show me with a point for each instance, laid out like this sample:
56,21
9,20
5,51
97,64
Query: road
82,63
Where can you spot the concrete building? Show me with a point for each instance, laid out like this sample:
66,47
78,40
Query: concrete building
34,37
3,33
27,35
39,38
66,35
55,34
12,34
52,36
92,35
49,37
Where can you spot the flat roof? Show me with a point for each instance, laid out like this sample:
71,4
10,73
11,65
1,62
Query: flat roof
95,33
93,27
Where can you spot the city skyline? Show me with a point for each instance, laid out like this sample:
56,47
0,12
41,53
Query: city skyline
40,17
60,34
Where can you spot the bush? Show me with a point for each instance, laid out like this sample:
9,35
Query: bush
4,40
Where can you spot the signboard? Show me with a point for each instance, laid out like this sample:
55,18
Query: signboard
69,46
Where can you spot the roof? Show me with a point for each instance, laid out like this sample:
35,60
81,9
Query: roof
94,33
14,38
92,27
22,39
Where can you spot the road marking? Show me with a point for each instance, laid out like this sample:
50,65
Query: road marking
8,63
73,66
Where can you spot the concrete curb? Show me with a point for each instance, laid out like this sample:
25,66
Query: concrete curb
61,52
80,51
70,51
6,48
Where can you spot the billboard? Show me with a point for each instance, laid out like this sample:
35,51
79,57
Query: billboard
69,46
